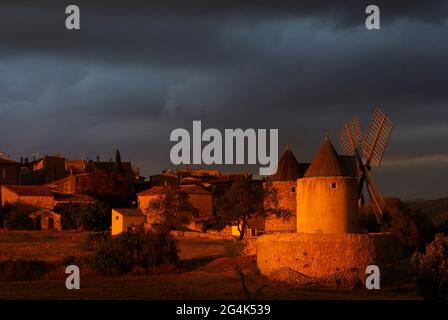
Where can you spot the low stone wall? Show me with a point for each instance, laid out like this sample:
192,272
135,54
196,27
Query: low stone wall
274,224
249,247
341,257
216,235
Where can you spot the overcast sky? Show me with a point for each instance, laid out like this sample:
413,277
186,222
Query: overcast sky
136,71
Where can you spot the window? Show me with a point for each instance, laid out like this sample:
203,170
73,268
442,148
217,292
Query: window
333,185
293,189
117,217
3,173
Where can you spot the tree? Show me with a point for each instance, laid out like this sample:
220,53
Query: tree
247,199
109,187
16,216
171,209
118,162
85,216
412,228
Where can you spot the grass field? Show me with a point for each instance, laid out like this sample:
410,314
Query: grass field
203,273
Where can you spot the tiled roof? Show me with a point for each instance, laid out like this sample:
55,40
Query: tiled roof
31,191
75,197
130,212
193,189
8,161
188,188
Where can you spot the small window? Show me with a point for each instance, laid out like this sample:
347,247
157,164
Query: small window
3,173
117,217
293,189
333,185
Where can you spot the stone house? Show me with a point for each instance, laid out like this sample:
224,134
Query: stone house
125,219
74,183
39,196
46,220
9,171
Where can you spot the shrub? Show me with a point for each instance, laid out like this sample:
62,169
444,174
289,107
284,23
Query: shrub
113,256
19,270
18,217
120,254
156,249
95,239
431,269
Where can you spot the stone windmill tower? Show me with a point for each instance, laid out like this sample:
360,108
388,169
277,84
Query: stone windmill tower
285,181
327,195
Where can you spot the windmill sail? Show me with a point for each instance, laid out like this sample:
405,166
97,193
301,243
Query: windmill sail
377,137
351,137
376,200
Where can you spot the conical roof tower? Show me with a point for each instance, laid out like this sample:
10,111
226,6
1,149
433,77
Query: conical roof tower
288,168
326,162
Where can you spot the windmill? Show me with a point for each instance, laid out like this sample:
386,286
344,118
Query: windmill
368,150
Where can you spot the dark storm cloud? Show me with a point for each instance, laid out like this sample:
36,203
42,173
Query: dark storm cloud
137,70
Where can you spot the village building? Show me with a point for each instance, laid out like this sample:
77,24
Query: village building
126,219
9,171
61,198
74,183
39,196
46,220
44,170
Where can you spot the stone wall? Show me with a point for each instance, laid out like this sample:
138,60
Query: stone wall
325,255
274,224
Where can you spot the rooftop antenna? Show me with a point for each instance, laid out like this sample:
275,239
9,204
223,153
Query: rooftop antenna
368,150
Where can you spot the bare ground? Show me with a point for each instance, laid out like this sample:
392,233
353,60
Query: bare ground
203,273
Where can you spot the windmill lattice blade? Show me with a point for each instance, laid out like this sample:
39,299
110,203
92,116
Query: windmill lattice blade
351,137
375,143
376,199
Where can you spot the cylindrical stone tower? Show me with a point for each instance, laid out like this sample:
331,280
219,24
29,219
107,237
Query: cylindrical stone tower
327,195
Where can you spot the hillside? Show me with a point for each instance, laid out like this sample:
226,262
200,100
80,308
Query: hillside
437,210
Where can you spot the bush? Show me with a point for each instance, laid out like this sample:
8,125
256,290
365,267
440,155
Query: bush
17,216
120,254
431,269
19,270
113,256
95,239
